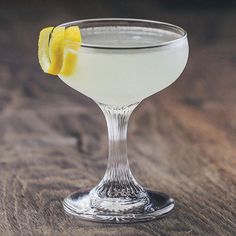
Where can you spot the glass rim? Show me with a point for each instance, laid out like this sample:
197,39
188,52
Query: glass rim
178,30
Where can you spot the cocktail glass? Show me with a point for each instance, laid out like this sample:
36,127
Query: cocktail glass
120,63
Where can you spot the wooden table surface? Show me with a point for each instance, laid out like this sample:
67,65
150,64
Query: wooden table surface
182,141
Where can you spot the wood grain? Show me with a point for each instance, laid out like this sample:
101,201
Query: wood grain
182,141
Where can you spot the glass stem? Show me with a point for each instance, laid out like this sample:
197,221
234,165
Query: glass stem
118,181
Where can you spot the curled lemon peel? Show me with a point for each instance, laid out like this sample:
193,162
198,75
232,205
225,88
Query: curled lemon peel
53,58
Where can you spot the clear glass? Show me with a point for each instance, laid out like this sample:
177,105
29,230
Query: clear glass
120,63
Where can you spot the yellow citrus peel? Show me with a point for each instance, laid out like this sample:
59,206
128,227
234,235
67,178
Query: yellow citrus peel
53,58
72,37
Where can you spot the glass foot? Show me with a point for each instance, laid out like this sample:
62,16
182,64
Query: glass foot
155,205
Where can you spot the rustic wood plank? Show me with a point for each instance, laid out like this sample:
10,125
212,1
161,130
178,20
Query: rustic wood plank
182,141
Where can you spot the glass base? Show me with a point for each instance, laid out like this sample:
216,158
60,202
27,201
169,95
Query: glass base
156,205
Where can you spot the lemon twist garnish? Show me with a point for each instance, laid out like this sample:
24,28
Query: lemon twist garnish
51,49
43,53
72,37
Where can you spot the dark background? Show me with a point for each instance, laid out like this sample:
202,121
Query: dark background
181,141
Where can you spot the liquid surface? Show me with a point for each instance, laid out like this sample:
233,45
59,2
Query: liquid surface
125,76
123,36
